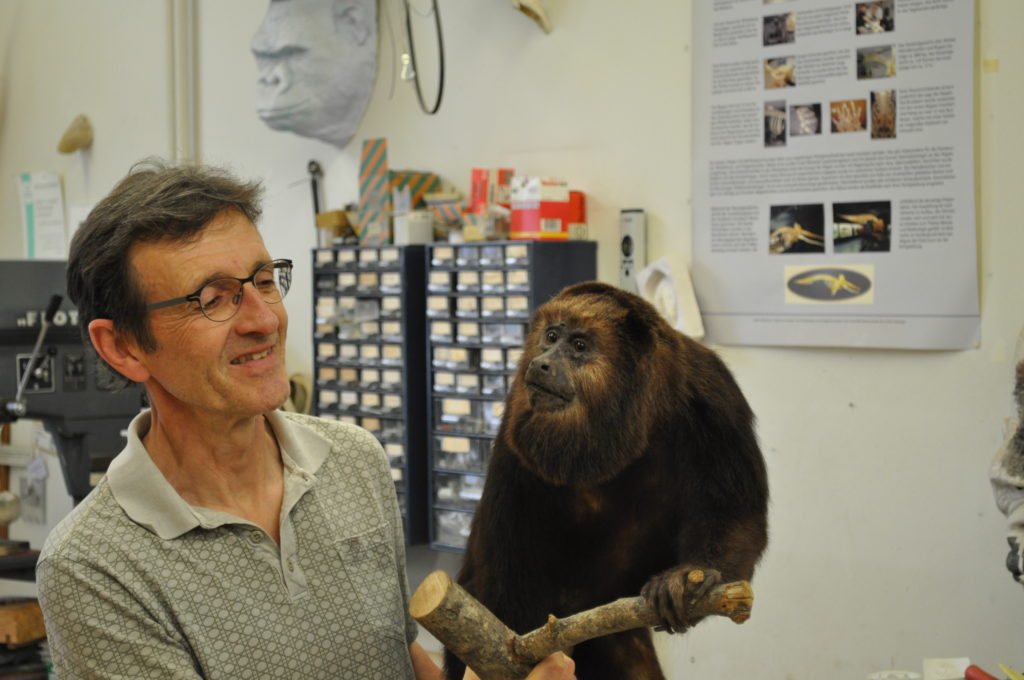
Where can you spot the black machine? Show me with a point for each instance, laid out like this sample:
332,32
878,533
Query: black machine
48,374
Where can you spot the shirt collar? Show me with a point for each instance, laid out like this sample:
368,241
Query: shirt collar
149,499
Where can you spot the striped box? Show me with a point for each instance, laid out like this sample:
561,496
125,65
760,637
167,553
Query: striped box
376,184
374,211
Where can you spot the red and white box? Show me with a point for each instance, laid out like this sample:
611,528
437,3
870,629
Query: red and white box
488,186
545,209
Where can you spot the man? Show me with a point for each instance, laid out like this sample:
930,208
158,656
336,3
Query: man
228,539
317,62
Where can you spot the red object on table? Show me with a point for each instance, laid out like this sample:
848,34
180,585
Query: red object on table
972,672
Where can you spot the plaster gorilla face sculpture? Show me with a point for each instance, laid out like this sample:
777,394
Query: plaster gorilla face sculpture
317,60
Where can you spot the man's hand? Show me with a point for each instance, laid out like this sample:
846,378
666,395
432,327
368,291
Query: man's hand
558,666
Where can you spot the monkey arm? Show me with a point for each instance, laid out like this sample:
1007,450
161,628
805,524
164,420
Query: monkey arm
728,552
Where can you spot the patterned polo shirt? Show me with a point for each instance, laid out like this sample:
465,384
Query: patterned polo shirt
136,583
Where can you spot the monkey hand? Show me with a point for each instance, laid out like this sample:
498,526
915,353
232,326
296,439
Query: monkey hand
674,592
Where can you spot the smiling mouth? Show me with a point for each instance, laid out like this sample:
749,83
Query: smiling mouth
252,357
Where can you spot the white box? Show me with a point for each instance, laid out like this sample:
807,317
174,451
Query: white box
415,226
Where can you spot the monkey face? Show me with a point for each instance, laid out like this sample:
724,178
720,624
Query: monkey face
575,414
549,386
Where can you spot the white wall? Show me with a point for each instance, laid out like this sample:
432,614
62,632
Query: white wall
886,545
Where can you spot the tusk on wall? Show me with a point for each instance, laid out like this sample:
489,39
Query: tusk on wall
534,10
78,135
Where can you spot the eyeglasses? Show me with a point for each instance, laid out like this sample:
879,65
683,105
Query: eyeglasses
220,299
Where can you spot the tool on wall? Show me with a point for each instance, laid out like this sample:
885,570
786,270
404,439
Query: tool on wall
409,69
315,173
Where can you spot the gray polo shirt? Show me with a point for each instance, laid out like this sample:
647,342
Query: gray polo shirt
136,583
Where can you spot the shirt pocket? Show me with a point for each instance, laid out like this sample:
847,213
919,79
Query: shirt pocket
369,563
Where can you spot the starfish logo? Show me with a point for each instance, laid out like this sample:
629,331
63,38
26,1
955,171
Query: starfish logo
828,284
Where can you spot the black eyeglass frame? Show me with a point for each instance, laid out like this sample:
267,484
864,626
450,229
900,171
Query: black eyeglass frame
194,296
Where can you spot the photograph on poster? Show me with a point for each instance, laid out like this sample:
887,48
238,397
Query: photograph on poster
862,227
849,115
883,114
797,229
779,72
779,29
805,119
874,17
775,123
876,62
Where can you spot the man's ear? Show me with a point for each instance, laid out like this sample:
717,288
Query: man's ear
353,18
123,356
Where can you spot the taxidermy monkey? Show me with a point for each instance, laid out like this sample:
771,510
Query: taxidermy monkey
626,457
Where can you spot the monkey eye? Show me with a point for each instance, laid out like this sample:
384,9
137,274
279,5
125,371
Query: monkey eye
579,345
551,336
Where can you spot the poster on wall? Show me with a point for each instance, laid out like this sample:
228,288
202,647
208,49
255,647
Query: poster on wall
834,173
42,215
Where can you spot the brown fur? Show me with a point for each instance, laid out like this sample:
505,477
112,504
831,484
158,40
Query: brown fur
626,457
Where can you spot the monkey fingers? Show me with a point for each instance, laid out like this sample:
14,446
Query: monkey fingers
673,593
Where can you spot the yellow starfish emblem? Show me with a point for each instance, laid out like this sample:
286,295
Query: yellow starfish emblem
834,283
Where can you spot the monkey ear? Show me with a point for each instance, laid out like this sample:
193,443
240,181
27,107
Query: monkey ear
353,18
122,355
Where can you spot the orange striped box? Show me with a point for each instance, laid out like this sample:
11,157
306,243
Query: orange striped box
376,184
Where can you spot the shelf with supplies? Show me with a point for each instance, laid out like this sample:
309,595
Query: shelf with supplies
369,360
479,300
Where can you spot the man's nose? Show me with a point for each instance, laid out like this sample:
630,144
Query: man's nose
256,315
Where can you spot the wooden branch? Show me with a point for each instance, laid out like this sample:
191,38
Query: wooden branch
467,628
485,644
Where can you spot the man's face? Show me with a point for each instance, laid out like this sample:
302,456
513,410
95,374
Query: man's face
232,368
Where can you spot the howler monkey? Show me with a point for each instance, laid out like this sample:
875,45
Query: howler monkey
625,458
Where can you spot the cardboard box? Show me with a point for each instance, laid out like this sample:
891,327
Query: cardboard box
416,226
489,186
21,622
545,209
418,184
484,227
447,207
378,183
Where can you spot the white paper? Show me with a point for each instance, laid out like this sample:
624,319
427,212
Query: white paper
945,669
833,173
44,444
42,215
674,301
33,500
36,469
